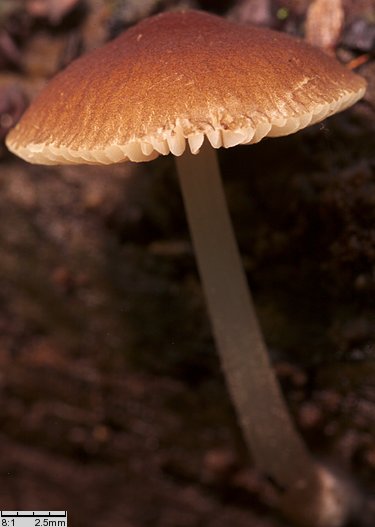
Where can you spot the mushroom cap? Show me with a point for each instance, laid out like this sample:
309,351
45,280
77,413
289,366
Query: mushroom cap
179,77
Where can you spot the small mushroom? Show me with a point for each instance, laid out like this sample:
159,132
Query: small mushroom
189,83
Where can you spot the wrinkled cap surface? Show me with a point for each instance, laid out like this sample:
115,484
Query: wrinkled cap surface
174,79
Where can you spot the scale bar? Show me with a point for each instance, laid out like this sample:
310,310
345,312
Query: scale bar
38,514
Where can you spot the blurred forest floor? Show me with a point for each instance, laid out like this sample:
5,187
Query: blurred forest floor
112,403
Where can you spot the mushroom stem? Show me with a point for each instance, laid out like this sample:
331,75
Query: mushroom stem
276,446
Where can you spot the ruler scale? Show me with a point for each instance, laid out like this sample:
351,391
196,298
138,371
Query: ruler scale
33,519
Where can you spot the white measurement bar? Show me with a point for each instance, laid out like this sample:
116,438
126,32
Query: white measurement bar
33,519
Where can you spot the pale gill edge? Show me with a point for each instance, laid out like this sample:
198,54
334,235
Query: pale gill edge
174,141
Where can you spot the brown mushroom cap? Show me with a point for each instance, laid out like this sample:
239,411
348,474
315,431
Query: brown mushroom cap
181,76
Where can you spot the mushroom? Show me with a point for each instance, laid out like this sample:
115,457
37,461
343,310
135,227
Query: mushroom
193,81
